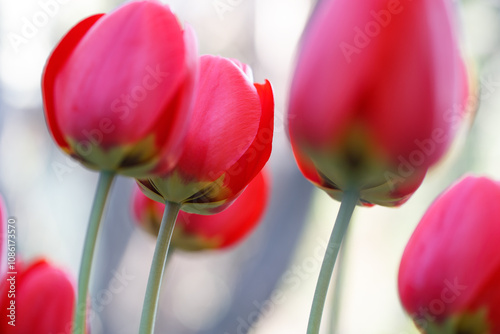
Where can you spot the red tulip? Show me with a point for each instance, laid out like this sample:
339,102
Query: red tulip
197,232
39,299
373,103
450,271
117,89
228,142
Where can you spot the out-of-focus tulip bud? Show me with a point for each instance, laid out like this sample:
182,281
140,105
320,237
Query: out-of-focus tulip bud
228,142
450,270
117,90
38,299
198,232
373,103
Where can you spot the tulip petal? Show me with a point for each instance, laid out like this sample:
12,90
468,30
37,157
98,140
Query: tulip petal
307,168
245,68
225,120
258,153
55,62
171,136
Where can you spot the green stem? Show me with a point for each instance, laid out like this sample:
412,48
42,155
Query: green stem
158,268
338,285
103,186
349,200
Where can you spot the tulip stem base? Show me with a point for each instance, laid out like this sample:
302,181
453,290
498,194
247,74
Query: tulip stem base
349,200
158,268
103,185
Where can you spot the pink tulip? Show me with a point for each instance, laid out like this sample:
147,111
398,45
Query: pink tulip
117,89
198,232
450,271
376,96
228,142
40,299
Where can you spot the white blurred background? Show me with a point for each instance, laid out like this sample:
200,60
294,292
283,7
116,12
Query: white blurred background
265,285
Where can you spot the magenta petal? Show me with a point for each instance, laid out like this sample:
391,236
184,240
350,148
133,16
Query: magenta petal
54,64
225,119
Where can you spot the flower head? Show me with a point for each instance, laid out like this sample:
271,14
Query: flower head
374,95
450,269
117,89
229,140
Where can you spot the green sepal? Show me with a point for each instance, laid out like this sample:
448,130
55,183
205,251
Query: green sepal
467,323
138,159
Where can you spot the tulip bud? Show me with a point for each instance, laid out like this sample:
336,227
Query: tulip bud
198,232
371,96
117,90
38,299
228,142
450,270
